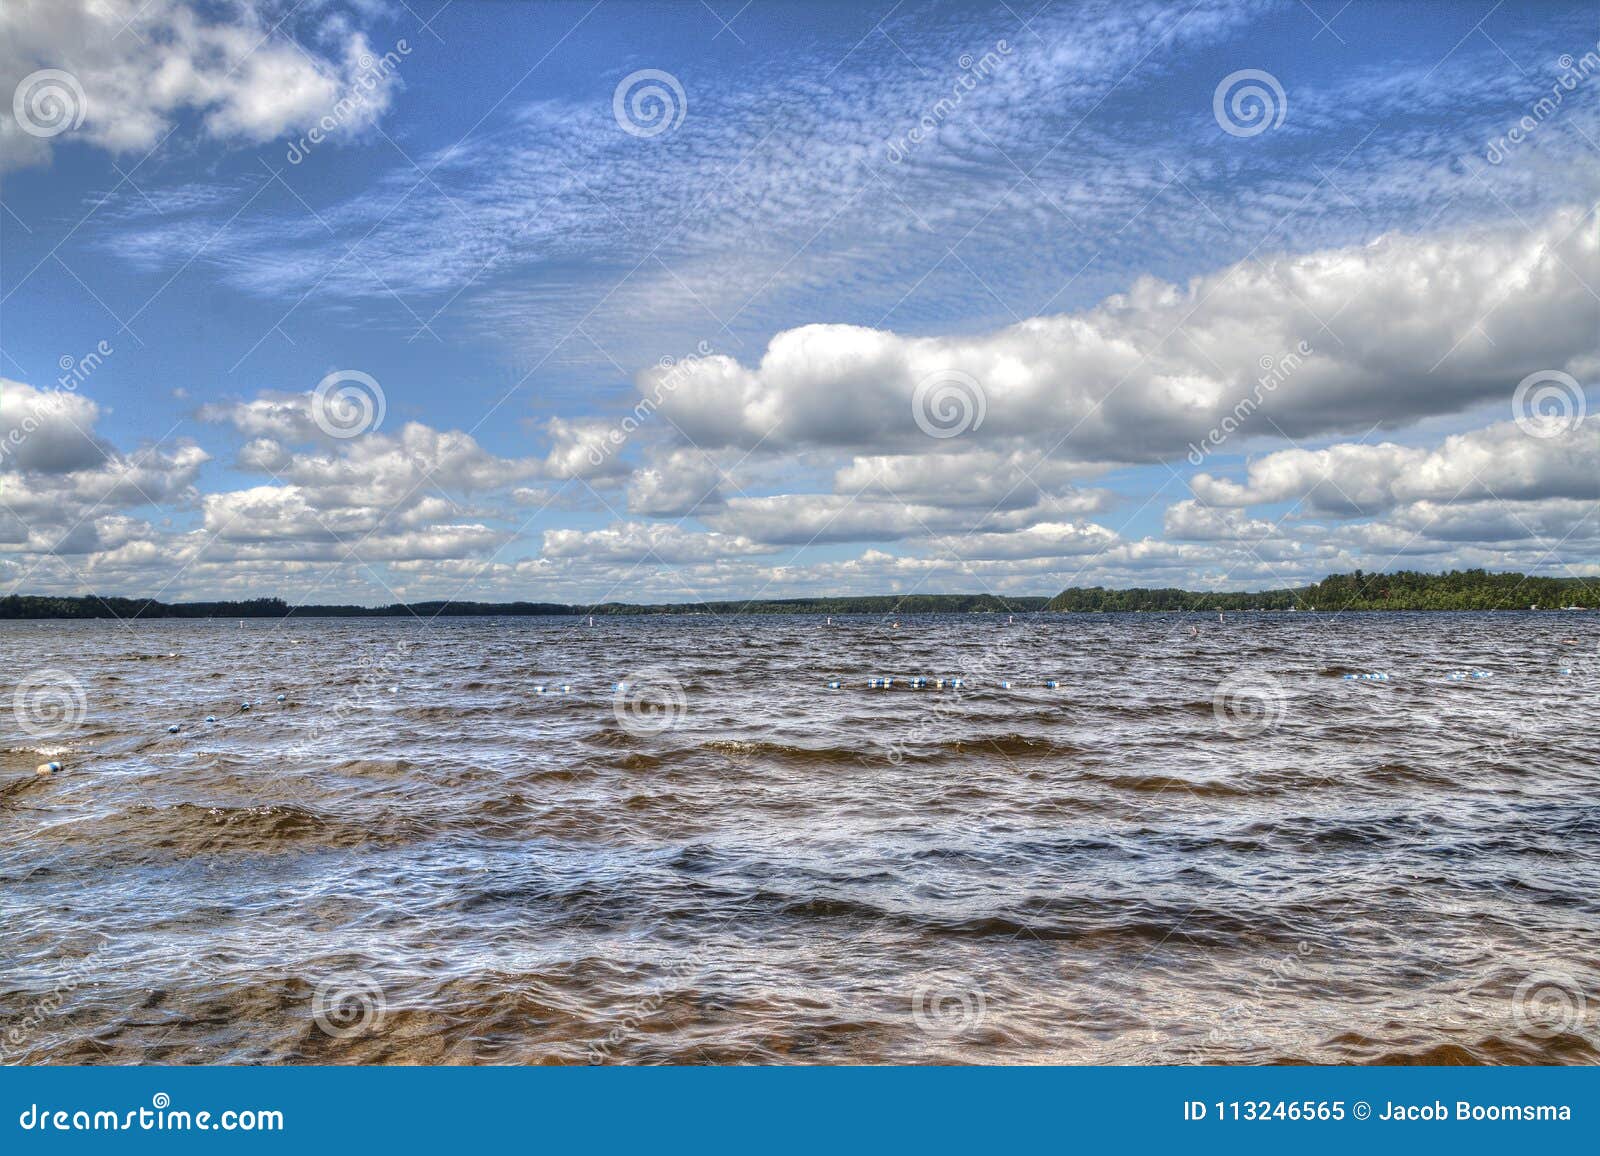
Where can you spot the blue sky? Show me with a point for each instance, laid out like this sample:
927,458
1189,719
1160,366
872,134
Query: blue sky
1085,242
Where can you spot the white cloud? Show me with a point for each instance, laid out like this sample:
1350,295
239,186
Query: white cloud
630,542
1416,326
675,484
64,489
585,448
141,64
1349,480
981,478
1188,520
47,430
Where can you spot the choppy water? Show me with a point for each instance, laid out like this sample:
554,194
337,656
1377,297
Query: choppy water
416,858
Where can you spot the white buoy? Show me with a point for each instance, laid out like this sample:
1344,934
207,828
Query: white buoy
47,768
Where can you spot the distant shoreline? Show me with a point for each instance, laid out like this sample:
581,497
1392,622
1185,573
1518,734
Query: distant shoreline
1458,590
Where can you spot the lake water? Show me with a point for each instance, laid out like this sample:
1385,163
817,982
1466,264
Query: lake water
1203,845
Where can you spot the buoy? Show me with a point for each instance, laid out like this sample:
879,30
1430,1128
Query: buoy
211,718
47,768
1005,684
281,697
1373,676
918,683
244,706
1049,684
566,688
173,729
956,682
834,684
538,688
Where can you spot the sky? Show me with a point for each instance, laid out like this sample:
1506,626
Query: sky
360,302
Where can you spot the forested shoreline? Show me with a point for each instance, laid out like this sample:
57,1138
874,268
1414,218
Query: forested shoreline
1402,590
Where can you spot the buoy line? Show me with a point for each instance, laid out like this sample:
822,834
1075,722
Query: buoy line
881,682
55,766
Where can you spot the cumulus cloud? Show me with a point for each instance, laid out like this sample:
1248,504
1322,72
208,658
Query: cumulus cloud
584,448
674,484
136,66
1188,520
1397,329
47,430
1501,462
64,489
376,496
985,479
809,519
630,542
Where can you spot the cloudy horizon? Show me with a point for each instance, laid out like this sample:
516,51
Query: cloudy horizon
339,302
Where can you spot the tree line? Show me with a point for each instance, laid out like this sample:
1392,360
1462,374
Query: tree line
1401,590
